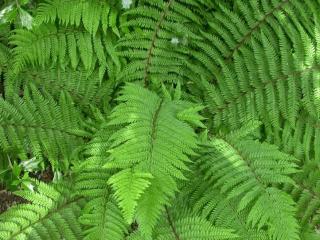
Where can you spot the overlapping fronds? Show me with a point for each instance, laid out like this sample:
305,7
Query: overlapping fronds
145,164
38,125
51,214
91,14
141,147
85,88
49,45
249,171
186,228
158,46
306,194
101,216
268,62
222,211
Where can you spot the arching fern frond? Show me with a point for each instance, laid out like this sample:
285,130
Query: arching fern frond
51,214
40,126
48,44
249,171
84,88
91,14
142,145
158,46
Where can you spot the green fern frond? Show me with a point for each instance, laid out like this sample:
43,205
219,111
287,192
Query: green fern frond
40,126
91,14
248,170
100,215
129,186
215,206
157,49
306,194
83,87
4,57
51,214
162,157
182,226
48,44
263,59
191,228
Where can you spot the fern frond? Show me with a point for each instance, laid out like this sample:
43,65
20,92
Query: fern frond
263,59
142,144
129,186
100,215
181,226
306,194
158,47
48,44
51,214
4,57
83,87
188,228
91,14
39,125
249,170
215,206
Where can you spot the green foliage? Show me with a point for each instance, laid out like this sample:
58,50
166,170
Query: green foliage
101,216
168,119
52,213
36,124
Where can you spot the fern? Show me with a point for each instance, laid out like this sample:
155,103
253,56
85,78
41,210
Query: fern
157,49
52,213
84,88
92,14
101,216
37,125
247,169
163,159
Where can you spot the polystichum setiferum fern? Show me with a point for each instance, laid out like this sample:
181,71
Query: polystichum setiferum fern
167,120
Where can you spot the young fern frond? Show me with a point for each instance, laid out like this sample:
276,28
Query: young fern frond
41,126
51,214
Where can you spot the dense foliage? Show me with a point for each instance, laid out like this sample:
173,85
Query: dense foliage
161,119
